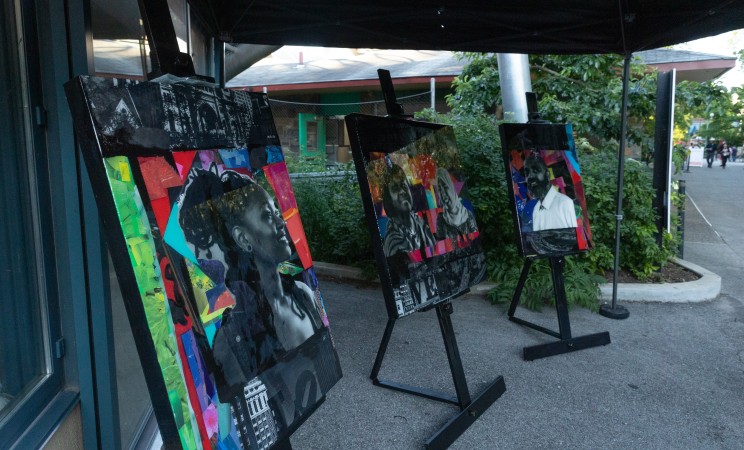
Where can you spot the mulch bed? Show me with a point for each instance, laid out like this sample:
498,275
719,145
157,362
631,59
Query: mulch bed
670,273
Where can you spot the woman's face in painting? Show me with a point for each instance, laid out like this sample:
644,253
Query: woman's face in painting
264,229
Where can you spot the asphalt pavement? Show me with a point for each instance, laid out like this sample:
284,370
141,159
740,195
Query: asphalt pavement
672,377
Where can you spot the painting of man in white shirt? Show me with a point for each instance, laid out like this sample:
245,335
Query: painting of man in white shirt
549,208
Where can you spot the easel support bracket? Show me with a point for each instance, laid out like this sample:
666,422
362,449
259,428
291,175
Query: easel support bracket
566,343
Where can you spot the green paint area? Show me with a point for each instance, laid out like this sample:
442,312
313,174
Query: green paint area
142,255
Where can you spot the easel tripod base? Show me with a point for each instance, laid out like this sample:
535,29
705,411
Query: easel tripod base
470,408
566,342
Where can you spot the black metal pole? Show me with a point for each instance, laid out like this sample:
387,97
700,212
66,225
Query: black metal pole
520,286
165,56
444,311
682,194
687,170
615,311
559,289
383,348
219,63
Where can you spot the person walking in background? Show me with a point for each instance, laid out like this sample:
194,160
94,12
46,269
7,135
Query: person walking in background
725,153
710,152
734,151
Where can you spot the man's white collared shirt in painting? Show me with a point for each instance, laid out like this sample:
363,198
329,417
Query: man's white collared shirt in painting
556,210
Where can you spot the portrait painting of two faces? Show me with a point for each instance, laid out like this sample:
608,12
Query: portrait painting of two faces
546,190
425,233
224,281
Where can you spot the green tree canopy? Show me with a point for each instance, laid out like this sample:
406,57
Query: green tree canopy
586,90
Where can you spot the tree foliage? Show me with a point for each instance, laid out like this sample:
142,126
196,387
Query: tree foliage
726,116
583,90
586,90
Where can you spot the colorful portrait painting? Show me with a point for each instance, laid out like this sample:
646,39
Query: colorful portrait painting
546,190
212,258
421,220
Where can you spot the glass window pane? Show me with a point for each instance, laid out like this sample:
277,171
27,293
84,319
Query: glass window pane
201,49
119,46
179,14
23,359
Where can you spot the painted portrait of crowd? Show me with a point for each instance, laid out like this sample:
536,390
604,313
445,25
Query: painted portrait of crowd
236,345
423,225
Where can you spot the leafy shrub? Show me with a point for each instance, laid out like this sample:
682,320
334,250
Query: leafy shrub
679,157
639,252
335,224
304,164
581,286
333,218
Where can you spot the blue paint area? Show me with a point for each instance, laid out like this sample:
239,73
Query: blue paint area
431,200
210,330
310,279
570,154
274,154
235,159
382,223
175,238
214,294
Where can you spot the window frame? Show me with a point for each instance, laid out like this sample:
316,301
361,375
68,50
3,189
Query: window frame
15,421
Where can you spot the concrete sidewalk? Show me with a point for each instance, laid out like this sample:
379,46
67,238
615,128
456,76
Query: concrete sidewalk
673,376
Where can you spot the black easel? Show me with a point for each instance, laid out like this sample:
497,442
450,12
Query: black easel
470,409
566,343
165,56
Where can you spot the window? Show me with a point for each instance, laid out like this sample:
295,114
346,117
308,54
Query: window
30,375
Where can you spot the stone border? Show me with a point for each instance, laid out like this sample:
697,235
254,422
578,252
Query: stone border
706,288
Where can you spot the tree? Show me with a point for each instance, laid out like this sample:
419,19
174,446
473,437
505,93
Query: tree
726,118
712,102
585,90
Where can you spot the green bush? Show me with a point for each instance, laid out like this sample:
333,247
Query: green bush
297,164
581,286
334,222
333,216
639,252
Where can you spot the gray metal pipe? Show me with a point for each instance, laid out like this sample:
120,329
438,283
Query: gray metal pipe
514,76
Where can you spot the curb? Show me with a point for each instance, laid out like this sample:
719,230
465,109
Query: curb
704,289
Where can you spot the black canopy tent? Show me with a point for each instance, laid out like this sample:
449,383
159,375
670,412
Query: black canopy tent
527,26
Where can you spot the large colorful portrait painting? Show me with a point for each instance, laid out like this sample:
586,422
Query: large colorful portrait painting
546,190
212,259
422,224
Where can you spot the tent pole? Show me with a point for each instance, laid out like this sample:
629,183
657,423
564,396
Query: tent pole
615,311
514,73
